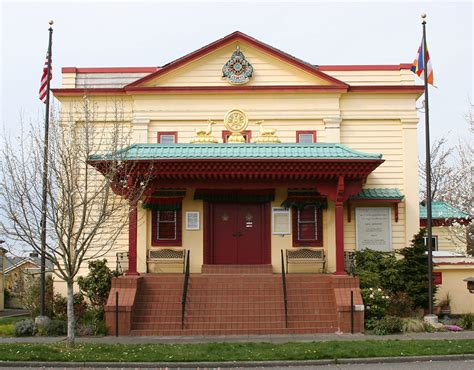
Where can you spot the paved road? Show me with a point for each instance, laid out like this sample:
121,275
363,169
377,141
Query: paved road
432,365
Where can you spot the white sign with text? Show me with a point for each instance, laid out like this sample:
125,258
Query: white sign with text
374,228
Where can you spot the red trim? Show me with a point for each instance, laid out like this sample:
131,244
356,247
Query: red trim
416,89
319,230
161,133
339,213
110,70
226,133
154,230
437,278
239,36
394,201
445,222
367,67
298,133
132,241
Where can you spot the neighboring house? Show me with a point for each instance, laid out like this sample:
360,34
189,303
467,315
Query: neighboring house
450,266
17,269
333,168
2,278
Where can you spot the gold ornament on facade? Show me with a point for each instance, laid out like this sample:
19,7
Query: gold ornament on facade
205,136
266,135
236,121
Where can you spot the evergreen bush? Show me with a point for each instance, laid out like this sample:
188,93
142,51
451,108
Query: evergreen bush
25,328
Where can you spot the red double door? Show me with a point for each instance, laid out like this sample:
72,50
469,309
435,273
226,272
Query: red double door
239,234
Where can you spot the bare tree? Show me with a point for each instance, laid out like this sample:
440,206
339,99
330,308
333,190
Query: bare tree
452,181
84,216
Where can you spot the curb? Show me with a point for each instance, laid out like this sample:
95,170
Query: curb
227,364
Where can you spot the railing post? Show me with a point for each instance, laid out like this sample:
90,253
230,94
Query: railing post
283,280
352,312
185,291
116,313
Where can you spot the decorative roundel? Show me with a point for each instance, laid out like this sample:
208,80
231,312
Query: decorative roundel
237,70
236,120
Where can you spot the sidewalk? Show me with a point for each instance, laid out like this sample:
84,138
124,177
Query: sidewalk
251,338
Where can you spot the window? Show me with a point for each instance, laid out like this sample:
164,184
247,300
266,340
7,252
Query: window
434,242
307,226
167,137
166,228
246,134
306,137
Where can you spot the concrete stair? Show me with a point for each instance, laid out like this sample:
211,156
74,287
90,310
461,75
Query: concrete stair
234,300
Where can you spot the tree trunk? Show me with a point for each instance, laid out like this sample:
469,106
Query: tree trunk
70,314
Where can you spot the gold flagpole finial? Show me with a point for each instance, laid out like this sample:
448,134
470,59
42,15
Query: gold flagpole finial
423,15
51,22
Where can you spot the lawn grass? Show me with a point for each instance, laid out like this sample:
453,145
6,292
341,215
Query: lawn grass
232,351
7,325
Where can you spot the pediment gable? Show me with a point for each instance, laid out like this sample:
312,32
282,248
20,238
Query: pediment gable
270,67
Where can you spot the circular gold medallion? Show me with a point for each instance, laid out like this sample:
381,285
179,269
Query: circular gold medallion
236,120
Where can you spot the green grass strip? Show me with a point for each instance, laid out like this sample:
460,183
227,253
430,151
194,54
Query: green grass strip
232,351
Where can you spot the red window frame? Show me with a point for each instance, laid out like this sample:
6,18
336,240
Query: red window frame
225,134
177,242
161,133
318,242
310,132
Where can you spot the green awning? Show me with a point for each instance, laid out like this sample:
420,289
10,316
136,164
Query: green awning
442,210
303,199
237,151
389,194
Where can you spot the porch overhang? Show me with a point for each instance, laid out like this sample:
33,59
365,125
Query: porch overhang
248,165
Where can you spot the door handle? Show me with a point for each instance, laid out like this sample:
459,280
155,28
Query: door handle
238,234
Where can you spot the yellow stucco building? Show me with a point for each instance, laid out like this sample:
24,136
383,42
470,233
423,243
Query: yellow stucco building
255,152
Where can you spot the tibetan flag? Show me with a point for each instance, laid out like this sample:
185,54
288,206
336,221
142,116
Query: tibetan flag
419,68
43,92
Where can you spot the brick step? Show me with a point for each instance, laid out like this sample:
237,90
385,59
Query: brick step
209,332
198,308
237,269
161,285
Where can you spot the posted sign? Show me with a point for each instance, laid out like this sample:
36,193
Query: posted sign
373,228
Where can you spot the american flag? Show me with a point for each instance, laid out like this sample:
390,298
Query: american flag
43,91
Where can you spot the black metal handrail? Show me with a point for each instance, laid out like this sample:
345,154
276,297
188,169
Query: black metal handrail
185,291
285,295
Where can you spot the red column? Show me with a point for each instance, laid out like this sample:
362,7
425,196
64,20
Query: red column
340,238
132,241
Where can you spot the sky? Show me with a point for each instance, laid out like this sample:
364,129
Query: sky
153,33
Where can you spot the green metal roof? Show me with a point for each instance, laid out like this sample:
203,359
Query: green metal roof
442,210
235,151
378,193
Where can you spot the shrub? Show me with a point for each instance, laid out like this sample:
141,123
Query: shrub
414,271
467,321
25,328
388,325
56,328
376,302
96,285
92,328
60,306
411,325
30,296
377,269
401,305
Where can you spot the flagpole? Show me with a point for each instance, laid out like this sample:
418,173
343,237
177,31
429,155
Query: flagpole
44,204
428,176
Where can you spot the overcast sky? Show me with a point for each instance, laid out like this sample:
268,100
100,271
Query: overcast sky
111,33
